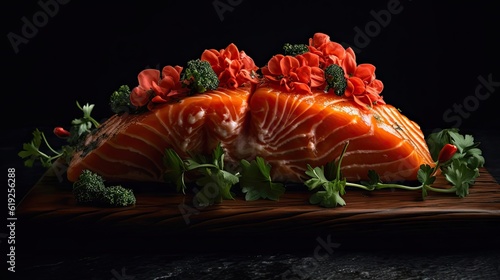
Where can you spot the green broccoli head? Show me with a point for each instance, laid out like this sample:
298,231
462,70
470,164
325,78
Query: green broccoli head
120,100
90,189
335,79
296,49
199,76
117,196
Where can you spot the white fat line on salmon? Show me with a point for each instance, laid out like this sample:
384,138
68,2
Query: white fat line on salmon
155,131
402,167
121,148
281,138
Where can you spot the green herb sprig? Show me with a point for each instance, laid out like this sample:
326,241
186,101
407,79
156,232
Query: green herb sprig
460,170
39,149
216,182
256,181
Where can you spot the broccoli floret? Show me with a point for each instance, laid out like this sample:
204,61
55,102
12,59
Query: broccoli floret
296,49
117,196
120,100
199,76
90,189
334,76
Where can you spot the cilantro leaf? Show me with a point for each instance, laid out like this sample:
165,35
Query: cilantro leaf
256,181
32,151
317,175
216,186
461,176
175,169
424,174
462,170
216,183
426,177
332,183
327,199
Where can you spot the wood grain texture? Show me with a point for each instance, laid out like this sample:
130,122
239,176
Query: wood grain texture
49,209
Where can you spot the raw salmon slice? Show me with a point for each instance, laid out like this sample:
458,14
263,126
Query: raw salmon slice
288,130
292,130
131,146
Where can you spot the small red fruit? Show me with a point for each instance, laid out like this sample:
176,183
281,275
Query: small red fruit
447,153
61,132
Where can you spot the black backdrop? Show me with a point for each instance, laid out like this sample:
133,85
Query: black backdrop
431,57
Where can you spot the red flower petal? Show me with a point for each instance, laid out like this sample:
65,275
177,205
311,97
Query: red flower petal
308,59
317,77
158,100
365,72
139,97
301,88
287,63
319,39
303,74
356,85
273,66
247,62
232,52
173,72
147,77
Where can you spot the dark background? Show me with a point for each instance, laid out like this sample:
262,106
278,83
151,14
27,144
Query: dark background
428,55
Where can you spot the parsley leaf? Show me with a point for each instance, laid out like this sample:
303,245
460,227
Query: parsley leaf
216,182
468,150
331,181
32,151
83,125
216,186
175,169
426,177
461,176
463,169
256,181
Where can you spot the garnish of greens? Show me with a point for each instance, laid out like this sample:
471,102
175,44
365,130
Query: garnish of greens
199,76
91,190
457,157
119,101
256,181
40,150
215,182
330,179
295,49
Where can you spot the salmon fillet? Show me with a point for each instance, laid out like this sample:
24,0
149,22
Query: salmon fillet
131,146
286,129
293,130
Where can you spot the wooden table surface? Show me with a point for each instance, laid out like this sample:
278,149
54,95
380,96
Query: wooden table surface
50,210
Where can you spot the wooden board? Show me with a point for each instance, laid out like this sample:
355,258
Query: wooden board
50,210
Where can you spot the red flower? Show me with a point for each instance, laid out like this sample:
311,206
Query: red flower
362,85
296,73
157,89
232,67
328,51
